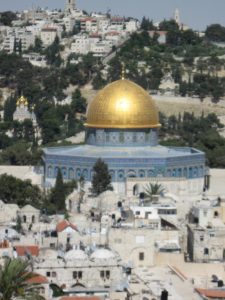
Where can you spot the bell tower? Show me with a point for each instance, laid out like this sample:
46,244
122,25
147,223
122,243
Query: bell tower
70,6
177,17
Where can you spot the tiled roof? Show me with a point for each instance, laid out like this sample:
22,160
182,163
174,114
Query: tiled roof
212,294
38,279
24,250
63,225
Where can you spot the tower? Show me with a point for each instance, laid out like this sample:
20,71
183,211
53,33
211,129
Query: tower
177,17
70,6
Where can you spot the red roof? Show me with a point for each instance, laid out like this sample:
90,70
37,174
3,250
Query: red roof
117,19
159,32
38,279
88,19
24,250
212,294
65,224
80,298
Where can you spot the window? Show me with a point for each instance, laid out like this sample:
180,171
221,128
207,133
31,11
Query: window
52,245
48,274
54,274
75,275
80,274
107,274
102,274
206,251
141,256
201,238
137,213
216,214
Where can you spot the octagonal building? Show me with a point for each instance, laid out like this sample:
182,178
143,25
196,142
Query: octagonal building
122,129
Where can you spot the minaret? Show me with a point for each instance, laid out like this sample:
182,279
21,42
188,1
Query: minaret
70,6
177,17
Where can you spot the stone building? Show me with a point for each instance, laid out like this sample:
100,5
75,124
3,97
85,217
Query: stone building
206,234
29,214
81,268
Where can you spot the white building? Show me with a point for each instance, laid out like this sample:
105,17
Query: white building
101,48
49,33
16,37
89,24
81,45
132,25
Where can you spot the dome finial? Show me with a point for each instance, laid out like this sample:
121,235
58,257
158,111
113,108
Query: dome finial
123,71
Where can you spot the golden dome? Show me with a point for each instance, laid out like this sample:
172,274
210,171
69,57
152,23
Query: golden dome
122,104
22,101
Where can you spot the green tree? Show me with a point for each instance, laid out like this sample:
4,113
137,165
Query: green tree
98,82
215,33
151,190
14,190
9,108
79,103
7,17
58,193
38,45
101,181
14,281
53,53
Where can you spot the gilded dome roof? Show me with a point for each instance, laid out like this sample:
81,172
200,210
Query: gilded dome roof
22,101
122,104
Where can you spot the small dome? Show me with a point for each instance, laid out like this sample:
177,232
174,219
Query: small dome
76,254
103,254
122,104
48,254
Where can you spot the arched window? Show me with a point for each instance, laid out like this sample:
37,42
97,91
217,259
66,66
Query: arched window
179,173
121,175
216,214
85,174
190,172
206,251
50,173
78,173
112,174
71,173
168,173
56,171
151,173
24,219
64,172
141,173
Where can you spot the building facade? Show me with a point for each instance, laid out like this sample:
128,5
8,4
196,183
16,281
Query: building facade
122,129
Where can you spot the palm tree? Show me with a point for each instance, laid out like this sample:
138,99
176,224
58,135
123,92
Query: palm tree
14,281
152,189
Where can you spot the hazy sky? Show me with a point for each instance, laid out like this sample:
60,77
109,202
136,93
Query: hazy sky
196,13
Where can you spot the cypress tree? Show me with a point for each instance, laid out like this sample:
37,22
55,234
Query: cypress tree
101,181
58,195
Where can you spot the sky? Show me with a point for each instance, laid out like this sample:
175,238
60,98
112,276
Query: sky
195,13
